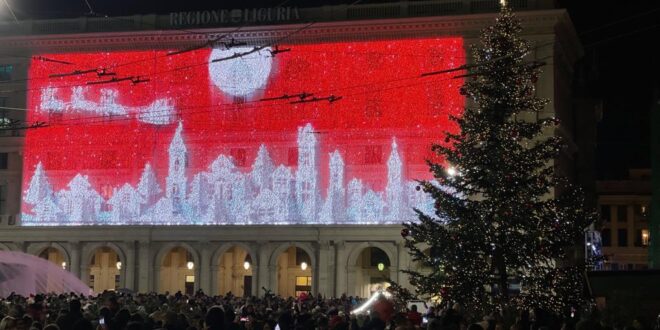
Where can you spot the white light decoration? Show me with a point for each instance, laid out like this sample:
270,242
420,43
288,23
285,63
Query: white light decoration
381,266
303,266
243,75
125,204
159,112
394,191
223,194
80,202
334,207
50,102
452,171
118,265
148,187
190,265
246,265
262,169
63,264
176,177
364,307
307,176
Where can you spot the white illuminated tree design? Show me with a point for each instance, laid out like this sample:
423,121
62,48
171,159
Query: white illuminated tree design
40,194
81,203
148,187
262,170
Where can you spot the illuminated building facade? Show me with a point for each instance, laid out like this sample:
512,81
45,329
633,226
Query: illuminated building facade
286,160
625,217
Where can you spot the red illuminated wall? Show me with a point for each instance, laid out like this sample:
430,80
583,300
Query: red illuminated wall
383,98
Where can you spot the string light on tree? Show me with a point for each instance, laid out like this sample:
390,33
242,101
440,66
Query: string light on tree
498,220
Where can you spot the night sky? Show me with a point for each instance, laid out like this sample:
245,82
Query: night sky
618,38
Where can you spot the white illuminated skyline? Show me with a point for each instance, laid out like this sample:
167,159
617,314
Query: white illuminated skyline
267,194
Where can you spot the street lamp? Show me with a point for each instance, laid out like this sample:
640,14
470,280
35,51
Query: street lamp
381,266
118,264
63,264
246,265
190,265
303,266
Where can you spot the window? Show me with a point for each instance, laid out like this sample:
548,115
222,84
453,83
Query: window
606,237
303,281
641,211
645,237
3,199
605,213
4,157
303,284
5,72
622,213
622,237
5,121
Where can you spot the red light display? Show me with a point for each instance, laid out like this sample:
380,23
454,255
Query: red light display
247,109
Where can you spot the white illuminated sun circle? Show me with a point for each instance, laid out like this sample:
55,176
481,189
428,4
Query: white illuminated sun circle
243,75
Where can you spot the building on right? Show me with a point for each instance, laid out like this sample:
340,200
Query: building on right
625,211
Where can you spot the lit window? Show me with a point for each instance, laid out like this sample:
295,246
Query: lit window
645,237
5,72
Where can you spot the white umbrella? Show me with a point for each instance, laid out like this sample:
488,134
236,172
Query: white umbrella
25,274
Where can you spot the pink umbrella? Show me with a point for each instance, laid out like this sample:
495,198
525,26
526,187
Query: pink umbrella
26,274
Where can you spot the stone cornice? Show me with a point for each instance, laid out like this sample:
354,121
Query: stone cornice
542,22
297,233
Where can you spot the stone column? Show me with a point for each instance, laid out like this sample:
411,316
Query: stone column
403,259
340,268
74,254
205,268
215,288
255,270
129,270
325,269
351,280
264,271
145,267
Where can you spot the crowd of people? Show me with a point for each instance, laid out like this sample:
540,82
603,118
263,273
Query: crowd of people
119,311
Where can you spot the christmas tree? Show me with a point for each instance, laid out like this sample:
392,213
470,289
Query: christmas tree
503,217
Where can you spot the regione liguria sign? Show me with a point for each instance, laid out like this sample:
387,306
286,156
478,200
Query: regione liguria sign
234,16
